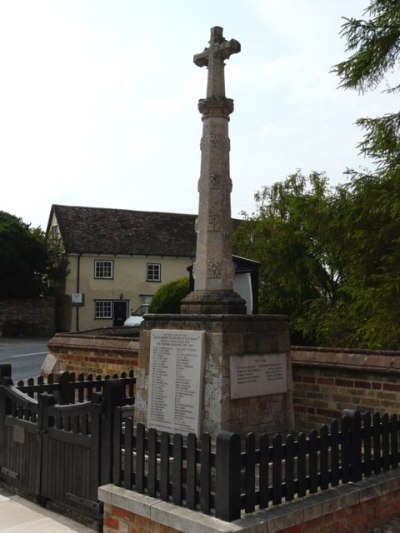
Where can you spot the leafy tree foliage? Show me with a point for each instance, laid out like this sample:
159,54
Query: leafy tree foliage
331,258
373,281
168,297
374,47
293,234
28,263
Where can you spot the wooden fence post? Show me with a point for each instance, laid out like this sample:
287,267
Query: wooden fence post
113,394
346,447
5,374
5,380
66,391
95,431
117,455
351,445
228,467
44,422
44,402
357,447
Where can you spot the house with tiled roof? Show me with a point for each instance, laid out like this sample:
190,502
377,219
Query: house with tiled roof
117,260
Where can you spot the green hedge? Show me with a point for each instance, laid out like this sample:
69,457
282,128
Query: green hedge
168,297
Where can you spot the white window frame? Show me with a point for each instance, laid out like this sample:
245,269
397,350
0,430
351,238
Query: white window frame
103,269
103,309
153,272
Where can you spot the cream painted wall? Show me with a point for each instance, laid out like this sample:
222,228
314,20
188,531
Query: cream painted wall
129,281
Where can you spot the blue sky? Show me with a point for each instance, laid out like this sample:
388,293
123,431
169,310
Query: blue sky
98,100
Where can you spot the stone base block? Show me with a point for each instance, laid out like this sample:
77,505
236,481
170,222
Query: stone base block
242,336
213,302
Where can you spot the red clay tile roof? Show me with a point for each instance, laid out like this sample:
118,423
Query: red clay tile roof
118,231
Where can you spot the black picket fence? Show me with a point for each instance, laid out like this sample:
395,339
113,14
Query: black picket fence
61,439
234,477
56,441
69,387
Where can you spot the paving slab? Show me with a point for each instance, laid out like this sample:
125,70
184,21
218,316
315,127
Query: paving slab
19,515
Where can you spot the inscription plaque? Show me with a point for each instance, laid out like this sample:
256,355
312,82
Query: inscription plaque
257,375
175,380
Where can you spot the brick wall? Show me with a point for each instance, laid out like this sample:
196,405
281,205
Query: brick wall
93,353
116,520
355,507
361,517
326,381
358,518
27,317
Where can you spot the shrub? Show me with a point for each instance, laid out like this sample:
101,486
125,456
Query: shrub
168,297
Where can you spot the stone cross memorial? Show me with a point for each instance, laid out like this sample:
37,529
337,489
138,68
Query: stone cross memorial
213,269
213,367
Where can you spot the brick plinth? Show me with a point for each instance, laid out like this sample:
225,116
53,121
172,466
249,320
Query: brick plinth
356,507
92,354
118,520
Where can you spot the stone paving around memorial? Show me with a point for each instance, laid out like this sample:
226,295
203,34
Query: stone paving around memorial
18,515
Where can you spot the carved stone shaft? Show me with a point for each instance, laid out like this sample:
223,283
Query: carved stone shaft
213,268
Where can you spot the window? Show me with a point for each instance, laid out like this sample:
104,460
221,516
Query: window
55,231
103,269
153,272
146,301
103,309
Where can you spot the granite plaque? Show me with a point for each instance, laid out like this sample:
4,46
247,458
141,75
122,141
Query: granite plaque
257,375
175,380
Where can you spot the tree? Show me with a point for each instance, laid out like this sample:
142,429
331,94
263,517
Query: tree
169,296
325,262
28,262
22,259
331,258
56,265
374,213
292,233
374,45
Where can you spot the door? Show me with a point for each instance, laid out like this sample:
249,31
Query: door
120,312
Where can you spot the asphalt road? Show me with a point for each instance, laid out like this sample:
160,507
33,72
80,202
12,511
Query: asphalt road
25,355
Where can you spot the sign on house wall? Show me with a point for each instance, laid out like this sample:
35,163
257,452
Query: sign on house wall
77,299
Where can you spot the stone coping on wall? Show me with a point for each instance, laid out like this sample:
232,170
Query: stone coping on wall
373,360
193,317
91,342
274,519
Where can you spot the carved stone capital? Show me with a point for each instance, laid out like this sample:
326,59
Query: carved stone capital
216,105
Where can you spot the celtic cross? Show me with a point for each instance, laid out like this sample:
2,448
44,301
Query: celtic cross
213,57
